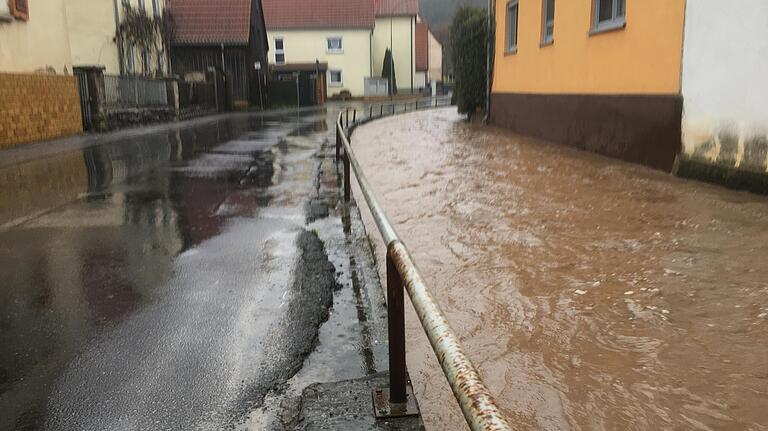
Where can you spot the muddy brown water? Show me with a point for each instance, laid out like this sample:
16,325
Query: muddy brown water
592,294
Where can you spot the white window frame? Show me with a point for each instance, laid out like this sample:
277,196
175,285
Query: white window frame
280,51
509,47
618,19
331,82
547,39
328,43
5,12
156,8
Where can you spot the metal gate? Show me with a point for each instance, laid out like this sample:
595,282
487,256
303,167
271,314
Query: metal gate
85,98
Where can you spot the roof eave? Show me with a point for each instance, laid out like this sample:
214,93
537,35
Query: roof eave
188,43
367,27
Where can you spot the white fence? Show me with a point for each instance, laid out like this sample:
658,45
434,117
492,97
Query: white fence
376,87
124,92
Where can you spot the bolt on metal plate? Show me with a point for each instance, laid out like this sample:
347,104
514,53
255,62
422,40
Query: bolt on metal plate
383,409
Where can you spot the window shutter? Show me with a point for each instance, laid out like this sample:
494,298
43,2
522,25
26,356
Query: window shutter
20,9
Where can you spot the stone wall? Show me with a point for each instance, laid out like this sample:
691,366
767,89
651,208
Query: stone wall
38,107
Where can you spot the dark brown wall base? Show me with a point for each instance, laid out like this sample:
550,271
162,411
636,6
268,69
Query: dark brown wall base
636,128
722,174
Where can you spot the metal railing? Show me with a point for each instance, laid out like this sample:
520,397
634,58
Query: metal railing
124,92
476,402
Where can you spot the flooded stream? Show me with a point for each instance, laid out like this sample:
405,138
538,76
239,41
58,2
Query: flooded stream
592,294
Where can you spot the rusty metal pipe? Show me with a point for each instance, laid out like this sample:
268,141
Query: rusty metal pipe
476,402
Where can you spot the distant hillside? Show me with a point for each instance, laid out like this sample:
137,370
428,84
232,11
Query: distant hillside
439,13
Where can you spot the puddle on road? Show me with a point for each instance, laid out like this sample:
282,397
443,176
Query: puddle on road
592,294
91,239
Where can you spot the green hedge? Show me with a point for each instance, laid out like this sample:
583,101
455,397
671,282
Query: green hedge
468,45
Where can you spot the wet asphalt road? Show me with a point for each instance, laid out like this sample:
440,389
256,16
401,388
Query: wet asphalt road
160,281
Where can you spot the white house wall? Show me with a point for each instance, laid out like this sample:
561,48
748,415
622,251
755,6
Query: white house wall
435,59
725,83
91,26
40,43
403,35
308,46
420,80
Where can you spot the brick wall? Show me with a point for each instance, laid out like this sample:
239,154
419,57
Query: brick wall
38,107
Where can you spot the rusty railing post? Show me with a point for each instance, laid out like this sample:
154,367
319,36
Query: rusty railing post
370,113
347,120
381,110
354,116
338,140
347,178
396,329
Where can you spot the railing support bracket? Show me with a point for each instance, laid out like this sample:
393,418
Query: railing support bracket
384,409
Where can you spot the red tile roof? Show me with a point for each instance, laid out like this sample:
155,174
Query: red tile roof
422,46
397,7
294,14
206,22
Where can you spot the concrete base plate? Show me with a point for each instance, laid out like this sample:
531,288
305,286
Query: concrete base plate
384,409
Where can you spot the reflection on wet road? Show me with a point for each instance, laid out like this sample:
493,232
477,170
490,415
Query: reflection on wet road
591,293
144,280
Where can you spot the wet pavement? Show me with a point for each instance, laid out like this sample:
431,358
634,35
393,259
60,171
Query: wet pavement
591,293
186,276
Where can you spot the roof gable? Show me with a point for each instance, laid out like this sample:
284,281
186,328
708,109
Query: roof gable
397,7
207,22
304,14
422,47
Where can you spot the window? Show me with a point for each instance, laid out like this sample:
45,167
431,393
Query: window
19,9
336,78
334,45
142,6
548,19
608,15
160,63
156,7
279,51
512,12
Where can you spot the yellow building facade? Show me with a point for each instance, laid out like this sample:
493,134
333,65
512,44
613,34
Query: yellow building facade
347,66
600,75
40,43
399,34
94,37
61,34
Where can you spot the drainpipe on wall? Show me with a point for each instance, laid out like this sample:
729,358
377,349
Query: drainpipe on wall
488,63
413,72
222,58
119,39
